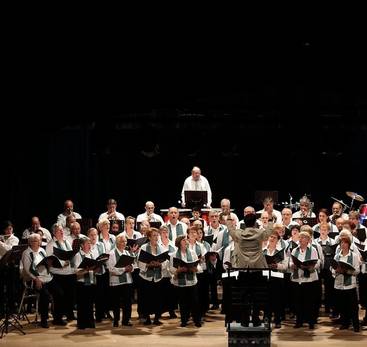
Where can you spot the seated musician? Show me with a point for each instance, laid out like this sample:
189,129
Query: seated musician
185,281
42,279
35,227
7,238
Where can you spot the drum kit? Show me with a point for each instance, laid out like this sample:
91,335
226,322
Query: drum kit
354,197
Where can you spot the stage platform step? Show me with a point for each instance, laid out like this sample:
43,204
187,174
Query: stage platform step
248,336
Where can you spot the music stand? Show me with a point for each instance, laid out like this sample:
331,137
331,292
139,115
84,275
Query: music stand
7,265
241,296
196,198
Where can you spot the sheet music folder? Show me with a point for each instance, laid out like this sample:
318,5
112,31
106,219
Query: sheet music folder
124,261
196,198
275,258
299,263
64,255
52,261
180,263
140,241
343,265
361,234
93,263
146,257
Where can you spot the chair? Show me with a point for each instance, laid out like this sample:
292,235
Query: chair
29,293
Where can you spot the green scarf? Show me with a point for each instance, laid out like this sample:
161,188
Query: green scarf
183,276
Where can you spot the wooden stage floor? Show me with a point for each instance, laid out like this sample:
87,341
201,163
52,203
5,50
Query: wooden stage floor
213,334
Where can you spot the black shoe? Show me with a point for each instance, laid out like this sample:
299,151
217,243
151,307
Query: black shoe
59,322
364,322
256,323
344,327
172,315
198,324
183,324
298,325
127,324
157,322
214,307
357,329
71,318
44,325
147,322
311,326
115,324
277,326
98,320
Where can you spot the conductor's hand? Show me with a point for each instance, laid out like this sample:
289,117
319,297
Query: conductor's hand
274,266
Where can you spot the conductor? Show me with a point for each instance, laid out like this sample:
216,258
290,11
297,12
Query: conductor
248,254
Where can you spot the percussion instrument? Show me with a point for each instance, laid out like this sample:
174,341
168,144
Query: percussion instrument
355,196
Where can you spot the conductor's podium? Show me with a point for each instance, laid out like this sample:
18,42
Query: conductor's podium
248,336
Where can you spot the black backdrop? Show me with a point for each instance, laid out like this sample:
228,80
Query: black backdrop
286,115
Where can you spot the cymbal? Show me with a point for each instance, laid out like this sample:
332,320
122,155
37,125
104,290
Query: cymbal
355,196
339,201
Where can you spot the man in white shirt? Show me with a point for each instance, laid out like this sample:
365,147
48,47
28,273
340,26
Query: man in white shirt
111,212
68,211
196,182
149,214
35,226
274,215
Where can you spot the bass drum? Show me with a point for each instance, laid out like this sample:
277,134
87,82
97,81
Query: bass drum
363,214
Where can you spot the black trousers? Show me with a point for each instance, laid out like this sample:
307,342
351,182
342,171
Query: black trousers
67,284
49,289
103,302
306,302
203,292
188,301
329,294
275,305
253,286
347,302
86,295
168,294
151,300
121,298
